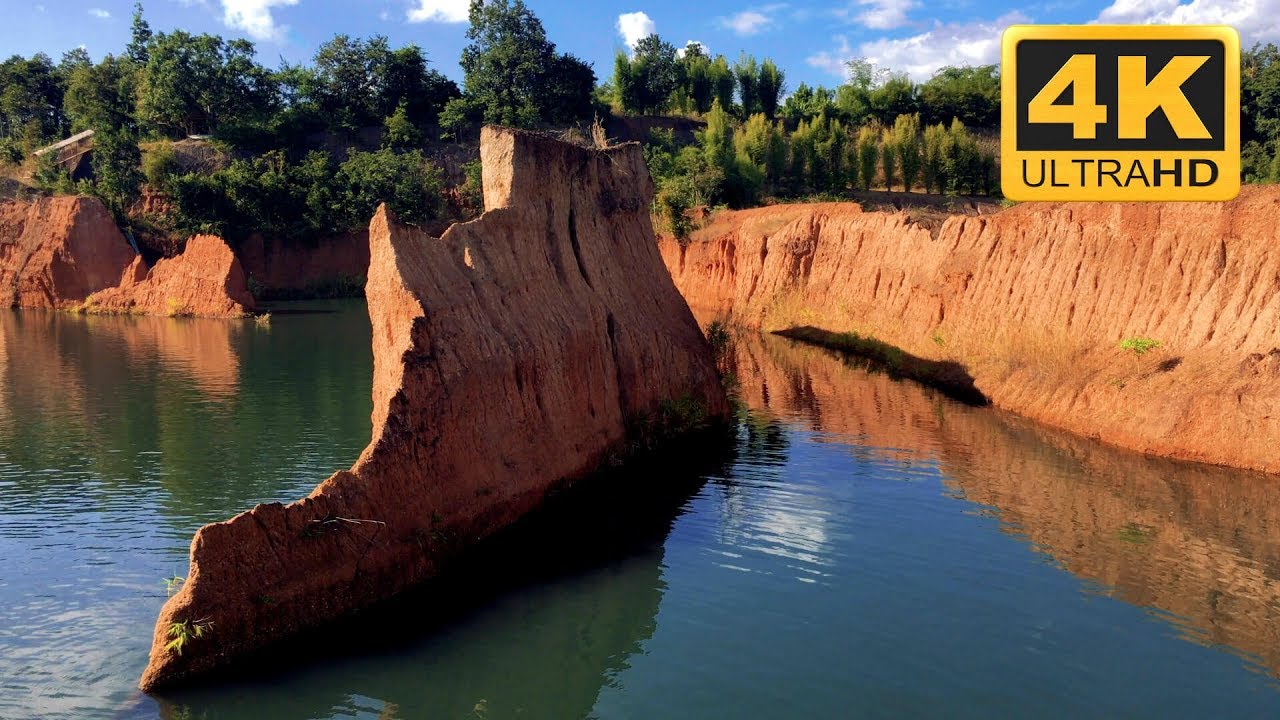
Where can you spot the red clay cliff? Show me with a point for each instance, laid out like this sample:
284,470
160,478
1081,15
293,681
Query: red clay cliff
513,354
1033,302
206,280
55,252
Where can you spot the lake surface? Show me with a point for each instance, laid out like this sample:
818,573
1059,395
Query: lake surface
866,548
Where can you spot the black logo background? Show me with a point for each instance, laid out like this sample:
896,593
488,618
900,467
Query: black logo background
1040,60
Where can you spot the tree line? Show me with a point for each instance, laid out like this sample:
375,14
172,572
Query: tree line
280,125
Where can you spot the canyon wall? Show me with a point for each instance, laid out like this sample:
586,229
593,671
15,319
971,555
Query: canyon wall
334,264
55,252
1033,303
516,353
206,280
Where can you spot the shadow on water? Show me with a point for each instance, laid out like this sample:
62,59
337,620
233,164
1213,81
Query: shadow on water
875,355
1198,545
577,584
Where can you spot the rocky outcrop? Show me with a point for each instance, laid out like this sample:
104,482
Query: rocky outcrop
55,252
328,266
514,354
1033,302
206,280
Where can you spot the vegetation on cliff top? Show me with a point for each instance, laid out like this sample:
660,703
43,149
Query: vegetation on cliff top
310,148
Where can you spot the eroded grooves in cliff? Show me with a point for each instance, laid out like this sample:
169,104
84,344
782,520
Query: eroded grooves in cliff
1034,303
496,377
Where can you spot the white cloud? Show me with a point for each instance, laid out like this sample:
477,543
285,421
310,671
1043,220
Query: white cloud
920,56
879,14
833,60
752,20
98,13
634,27
1256,20
705,50
254,17
447,11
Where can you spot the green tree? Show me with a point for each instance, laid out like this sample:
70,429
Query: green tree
770,87
201,83
645,82
932,168
747,74
896,96
722,82
806,102
31,100
400,132
868,147
969,93
695,70
888,158
98,96
138,50
509,67
117,174
906,140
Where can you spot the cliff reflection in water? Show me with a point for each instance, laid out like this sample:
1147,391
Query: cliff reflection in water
1198,545
193,404
533,624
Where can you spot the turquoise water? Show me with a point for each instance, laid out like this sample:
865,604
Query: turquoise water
866,548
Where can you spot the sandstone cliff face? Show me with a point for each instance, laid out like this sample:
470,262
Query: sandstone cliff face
206,280
55,252
513,354
1033,302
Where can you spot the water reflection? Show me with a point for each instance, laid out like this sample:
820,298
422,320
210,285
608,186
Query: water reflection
1198,545
119,437
534,626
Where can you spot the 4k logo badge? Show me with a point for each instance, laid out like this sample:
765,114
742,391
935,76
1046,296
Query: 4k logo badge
1120,112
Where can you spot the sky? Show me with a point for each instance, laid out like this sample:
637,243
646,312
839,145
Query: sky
810,41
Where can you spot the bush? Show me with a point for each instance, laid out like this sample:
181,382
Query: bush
10,152
160,166
1139,346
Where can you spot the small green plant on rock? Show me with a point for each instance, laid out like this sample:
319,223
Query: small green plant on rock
181,633
1139,346
173,584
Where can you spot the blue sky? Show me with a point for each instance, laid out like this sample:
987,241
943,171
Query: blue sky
809,40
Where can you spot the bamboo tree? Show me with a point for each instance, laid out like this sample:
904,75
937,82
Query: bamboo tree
906,139
868,150
888,157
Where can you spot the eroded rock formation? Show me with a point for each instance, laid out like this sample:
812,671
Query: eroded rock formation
515,353
55,252
206,280
1034,302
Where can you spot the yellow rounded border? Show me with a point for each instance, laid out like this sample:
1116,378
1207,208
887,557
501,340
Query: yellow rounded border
1014,189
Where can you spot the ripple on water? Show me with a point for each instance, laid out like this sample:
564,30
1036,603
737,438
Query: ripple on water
868,546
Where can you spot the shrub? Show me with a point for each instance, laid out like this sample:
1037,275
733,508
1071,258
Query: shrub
160,166
1139,346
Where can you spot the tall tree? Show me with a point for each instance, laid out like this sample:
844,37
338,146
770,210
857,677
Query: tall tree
770,86
646,81
30,99
509,64
969,93
138,49
747,74
906,140
199,83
